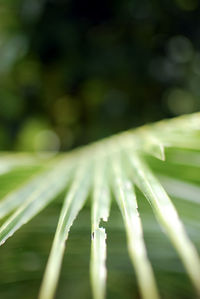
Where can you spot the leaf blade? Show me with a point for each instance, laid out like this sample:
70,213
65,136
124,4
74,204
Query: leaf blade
74,201
167,217
100,210
48,188
126,200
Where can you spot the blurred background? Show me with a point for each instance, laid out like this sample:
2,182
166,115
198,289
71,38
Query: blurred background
75,71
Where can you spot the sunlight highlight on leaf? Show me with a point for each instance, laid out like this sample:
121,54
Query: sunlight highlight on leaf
73,203
9,161
100,211
150,144
49,186
167,217
180,189
20,195
126,199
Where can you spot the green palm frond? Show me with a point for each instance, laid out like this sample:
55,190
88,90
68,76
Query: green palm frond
122,167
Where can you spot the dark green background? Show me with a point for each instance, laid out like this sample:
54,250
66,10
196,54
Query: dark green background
75,71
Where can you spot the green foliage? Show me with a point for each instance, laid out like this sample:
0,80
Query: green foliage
86,70
121,167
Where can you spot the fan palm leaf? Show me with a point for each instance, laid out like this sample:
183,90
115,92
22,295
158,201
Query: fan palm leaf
112,168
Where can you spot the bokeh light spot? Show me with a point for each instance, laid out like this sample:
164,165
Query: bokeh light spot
180,49
180,101
187,4
47,140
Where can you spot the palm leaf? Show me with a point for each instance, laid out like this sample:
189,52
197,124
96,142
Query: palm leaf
117,165
100,211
